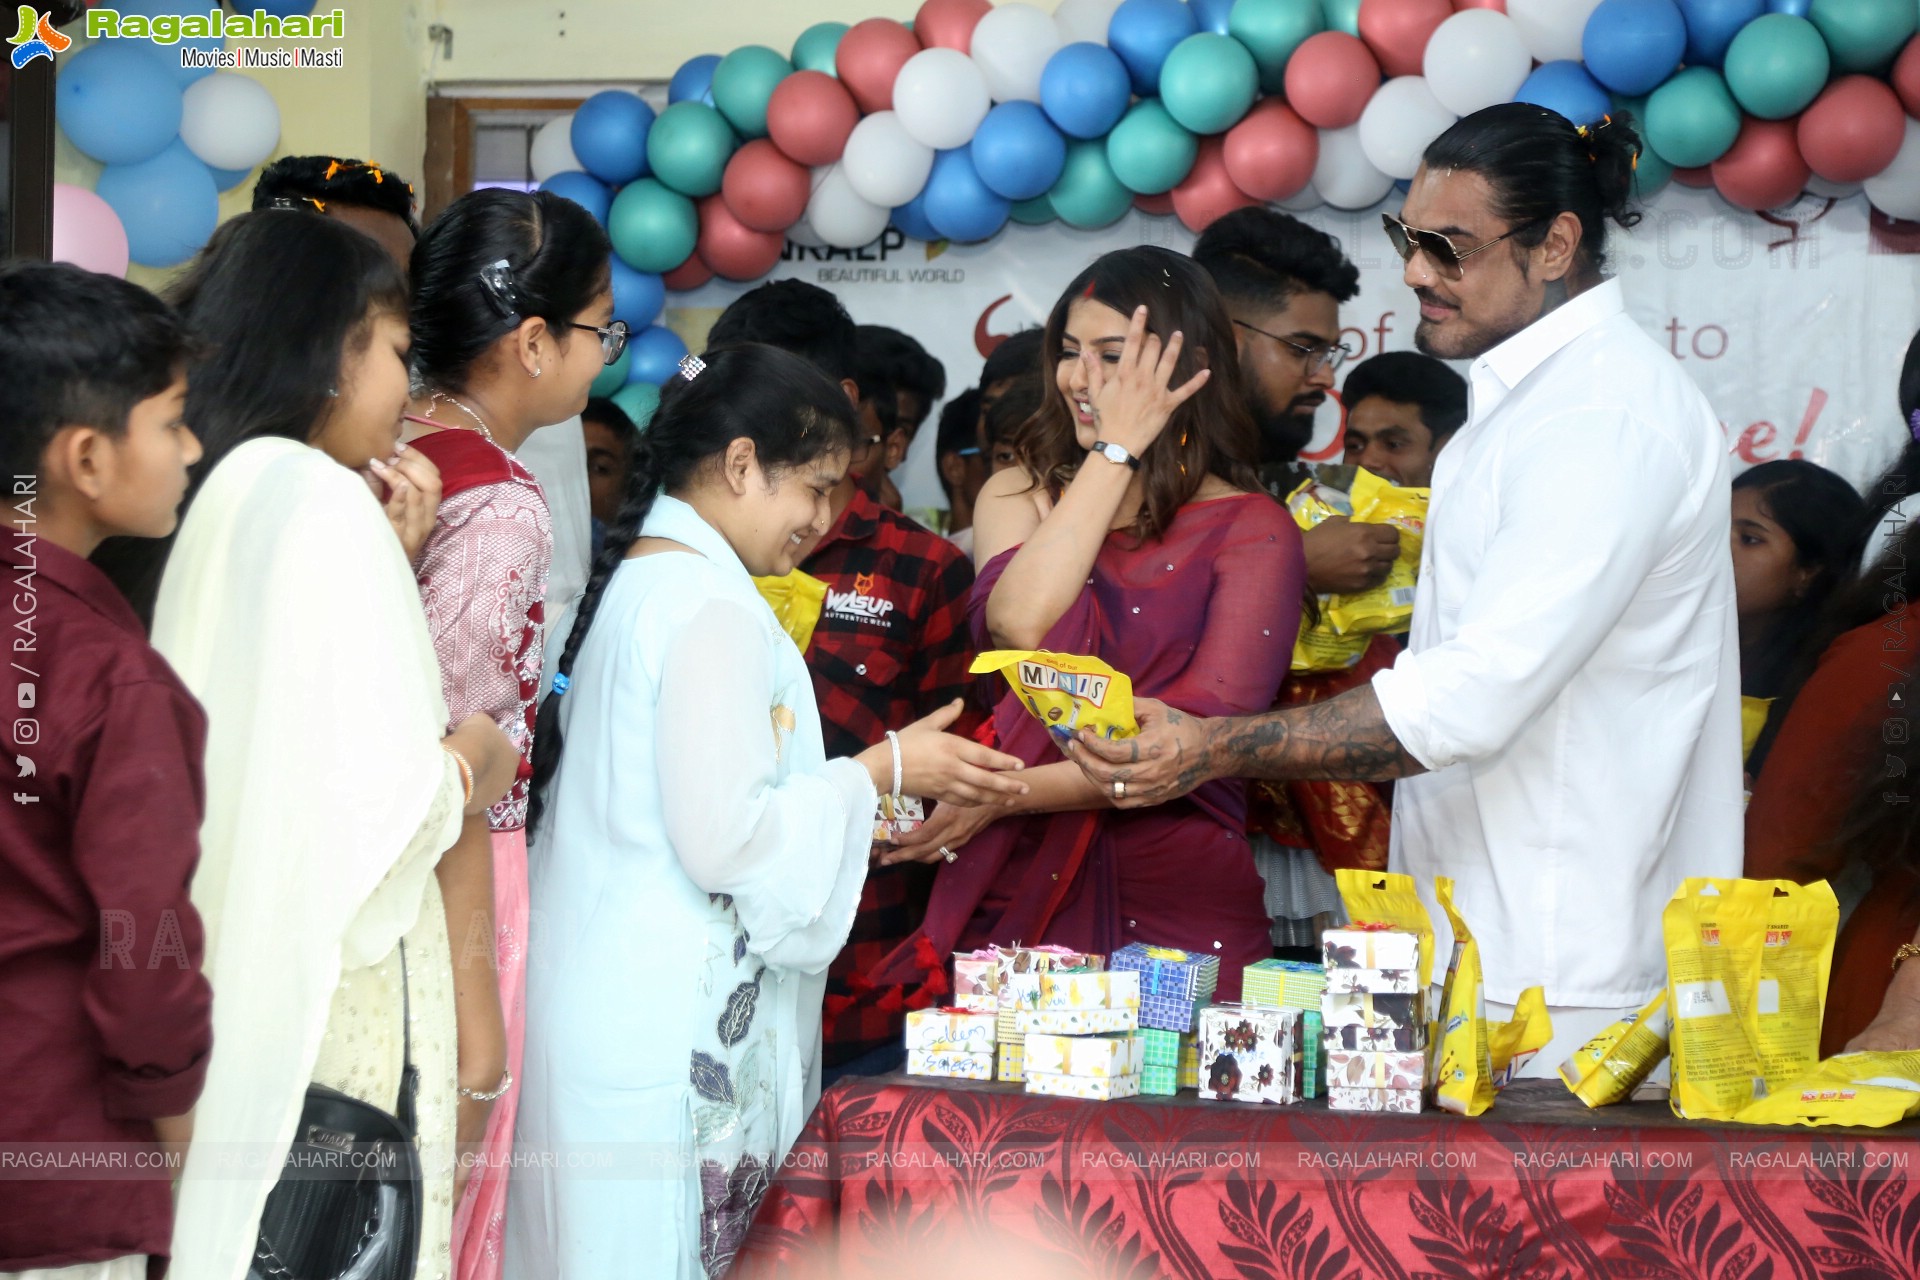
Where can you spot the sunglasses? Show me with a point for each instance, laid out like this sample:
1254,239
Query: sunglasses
613,338
1440,250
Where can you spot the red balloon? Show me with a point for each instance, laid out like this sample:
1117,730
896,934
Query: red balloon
809,117
1397,31
1159,206
949,24
1906,77
1696,177
1853,129
869,60
732,249
1207,192
1329,79
690,274
763,189
1763,169
1271,153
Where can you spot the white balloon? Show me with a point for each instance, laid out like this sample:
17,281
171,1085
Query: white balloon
1011,45
1401,118
1475,59
1552,28
802,233
1895,190
552,150
840,217
1819,186
882,162
1345,178
229,121
1084,20
1306,198
941,98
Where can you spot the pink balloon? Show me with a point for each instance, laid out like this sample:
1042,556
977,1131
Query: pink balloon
1498,6
949,24
1701,176
809,117
763,189
1159,206
1906,77
1397,31
869,60
1330,77
1207,192
1763,169
690,274
733,249
87,232
1853,129
1271,153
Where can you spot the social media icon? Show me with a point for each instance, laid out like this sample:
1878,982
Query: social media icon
28,695
25,765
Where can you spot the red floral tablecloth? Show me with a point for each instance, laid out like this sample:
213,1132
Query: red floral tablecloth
904,1179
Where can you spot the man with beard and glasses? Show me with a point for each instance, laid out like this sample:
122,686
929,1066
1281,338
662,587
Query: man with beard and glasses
1566,719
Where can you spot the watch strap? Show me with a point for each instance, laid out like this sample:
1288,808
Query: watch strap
1114,453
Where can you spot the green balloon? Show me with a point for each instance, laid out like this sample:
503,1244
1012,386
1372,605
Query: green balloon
1088,195
688,148
613,377
1272,30
816,47
1034,212
653,228
1208,82
743,82
1342,15
1777,65
639,400
1691,119
1149,151
1863,34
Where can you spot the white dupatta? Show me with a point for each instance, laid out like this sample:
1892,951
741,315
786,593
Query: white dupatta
290,611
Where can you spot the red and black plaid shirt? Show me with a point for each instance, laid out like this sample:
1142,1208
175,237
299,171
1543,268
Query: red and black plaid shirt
891,646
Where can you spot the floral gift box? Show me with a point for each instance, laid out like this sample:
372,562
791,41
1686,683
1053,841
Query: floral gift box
1369,949
1089,989
1246,1053
953,1066
1380,982
1077,1022
1173,983
1363,1020
951,1030
1342,1097
1084,1086
1097,1057
1377,1069
976,981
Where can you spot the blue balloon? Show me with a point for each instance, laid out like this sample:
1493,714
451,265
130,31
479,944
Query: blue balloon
1212,15
585,190
657,354
693,82
609,135
167,203
1567,88
1143,33
1017,152
911,219
1712,25
1792,8
1085,89
959,205
169,54
637,295
228,179
1632,46
117,102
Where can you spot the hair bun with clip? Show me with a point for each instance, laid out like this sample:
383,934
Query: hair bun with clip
691,366
496,281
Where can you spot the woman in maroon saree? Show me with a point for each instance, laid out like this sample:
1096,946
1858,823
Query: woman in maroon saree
1178,571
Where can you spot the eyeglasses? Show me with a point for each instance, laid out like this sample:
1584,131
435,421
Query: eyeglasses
613,338
1316,358
1440,251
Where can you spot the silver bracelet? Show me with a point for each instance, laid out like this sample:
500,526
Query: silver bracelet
893,740
506,1083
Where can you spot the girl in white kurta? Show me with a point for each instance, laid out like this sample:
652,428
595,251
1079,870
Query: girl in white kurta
697,860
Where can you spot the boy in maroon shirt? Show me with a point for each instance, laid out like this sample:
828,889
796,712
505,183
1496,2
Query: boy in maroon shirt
105,1012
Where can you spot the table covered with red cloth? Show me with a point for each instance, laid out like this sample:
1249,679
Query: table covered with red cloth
915,1178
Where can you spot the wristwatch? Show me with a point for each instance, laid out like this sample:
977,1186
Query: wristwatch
1115,454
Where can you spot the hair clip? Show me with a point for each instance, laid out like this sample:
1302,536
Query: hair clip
294,203
1913,424
691,367
560,685
496,278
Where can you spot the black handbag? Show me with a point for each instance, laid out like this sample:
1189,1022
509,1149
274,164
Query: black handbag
347,1206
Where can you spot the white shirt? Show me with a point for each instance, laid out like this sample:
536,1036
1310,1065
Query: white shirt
1572,679
557,456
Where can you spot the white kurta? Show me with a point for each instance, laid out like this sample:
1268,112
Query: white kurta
1573,676
557,456
698,868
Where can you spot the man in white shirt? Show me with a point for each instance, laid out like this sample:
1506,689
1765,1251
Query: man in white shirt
1566,717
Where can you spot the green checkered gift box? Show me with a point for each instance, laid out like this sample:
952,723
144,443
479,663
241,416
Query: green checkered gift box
1160,1082
1162,1047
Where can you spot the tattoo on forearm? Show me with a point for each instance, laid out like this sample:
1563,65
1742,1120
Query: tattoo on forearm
1344,739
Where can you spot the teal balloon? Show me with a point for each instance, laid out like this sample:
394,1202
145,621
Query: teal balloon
639,400
1149,151
743,82
1034,212
1208,82
1777,65
1088,194
816,47
653,228
1692,119
688,148
1343,15
613,377
1271,30
1863,34
1650,173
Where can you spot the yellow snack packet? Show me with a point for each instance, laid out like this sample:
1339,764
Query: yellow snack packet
1607,1068
1065,692
1319,647
1463,1082
1389,606
1388,898
796,600
1872,1089
1747,968
1753,719
1511,1044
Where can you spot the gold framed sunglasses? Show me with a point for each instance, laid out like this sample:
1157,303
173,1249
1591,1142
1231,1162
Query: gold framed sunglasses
1445,256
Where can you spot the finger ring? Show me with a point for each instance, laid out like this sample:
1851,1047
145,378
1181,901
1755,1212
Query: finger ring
947,853
1119,790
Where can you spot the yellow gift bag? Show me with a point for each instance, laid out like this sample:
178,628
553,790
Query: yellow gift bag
1065,692
1347,624
1872,1089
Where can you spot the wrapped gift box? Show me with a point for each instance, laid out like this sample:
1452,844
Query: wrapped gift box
898,817
976,981
1077,1022
1187,1074
1369,949
1012,1064
1283,984
1312,1055
1159,1082
1159,1047
1362,1020
1342,1097
1174,984
1380,982
1027,962
1097,1057
1089,989
1084,1086
954,1066
1375,1069
951,1030
1246,1053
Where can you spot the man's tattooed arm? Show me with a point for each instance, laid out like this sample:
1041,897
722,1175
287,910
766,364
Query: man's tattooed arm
1344,739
